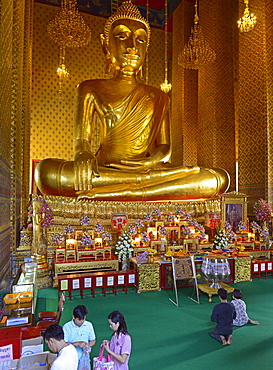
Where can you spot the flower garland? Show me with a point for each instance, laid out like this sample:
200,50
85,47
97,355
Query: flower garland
44,210
124,247
262,210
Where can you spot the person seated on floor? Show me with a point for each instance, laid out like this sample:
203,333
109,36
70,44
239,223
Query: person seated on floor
67,355
223,313
240,308
131,163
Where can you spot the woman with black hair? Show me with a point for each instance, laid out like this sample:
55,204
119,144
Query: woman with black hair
240,308
119,347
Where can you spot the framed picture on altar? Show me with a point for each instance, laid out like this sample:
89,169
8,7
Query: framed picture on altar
234,209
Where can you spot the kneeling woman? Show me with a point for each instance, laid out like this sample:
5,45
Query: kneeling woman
119,346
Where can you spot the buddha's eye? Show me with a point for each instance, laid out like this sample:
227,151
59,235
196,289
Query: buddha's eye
141,41
121,36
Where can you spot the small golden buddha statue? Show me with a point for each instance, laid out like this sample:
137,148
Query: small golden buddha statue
131,162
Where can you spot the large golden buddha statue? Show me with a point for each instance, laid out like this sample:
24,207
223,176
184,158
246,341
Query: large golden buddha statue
132,160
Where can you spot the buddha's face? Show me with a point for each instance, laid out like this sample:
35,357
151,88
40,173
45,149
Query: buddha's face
128,44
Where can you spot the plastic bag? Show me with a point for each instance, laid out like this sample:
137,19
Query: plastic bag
84,363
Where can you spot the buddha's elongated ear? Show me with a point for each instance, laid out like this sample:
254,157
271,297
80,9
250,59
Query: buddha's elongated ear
104,44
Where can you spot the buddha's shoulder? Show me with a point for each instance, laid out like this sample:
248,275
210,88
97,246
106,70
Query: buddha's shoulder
94,85
156,92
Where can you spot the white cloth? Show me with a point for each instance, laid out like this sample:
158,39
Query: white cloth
67,359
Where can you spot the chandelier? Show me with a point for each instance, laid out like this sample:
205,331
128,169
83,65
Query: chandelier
197,52
165,86
68,30
248,20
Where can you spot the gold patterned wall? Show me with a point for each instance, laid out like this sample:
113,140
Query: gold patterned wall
269,93
184,92
216,114
52,118
16,17
255,97
203,100
5,100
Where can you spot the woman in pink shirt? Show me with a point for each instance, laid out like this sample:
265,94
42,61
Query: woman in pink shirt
119,347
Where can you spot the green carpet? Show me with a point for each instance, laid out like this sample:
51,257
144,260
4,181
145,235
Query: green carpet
168,337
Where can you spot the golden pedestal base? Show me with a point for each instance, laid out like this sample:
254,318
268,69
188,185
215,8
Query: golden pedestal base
205,288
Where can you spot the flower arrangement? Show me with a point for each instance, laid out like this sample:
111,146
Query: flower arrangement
152,251
86,239
98,228
106,236
264,234
124,247
180,212
220,240
156,212
139,224
148,218
242,226
145,237
262,210
162,231
170,218
185,230
69,229
58,239
132,230
85,220
200,228
201,236
142,256
45,211
227,226
254,226
231,235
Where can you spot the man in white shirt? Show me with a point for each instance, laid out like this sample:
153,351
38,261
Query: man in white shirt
67,358
80,332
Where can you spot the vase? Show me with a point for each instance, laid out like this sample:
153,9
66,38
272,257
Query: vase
125,265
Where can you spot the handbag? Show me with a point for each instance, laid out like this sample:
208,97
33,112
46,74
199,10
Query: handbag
102,362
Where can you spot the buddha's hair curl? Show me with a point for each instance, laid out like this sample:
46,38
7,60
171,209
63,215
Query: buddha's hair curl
127,10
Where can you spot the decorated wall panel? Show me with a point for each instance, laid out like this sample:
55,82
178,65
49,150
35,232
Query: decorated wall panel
184,96
252,107
216,116
269,93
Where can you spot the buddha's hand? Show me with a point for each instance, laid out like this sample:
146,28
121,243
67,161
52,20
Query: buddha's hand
140,165
85,166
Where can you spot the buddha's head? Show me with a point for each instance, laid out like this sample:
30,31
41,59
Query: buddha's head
126,38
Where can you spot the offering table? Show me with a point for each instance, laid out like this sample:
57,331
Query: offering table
110,264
